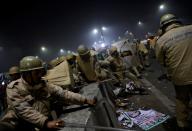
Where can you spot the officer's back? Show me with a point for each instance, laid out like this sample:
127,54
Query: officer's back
177,43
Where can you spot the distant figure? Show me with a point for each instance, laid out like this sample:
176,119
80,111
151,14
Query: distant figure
14,73
88,65
118,67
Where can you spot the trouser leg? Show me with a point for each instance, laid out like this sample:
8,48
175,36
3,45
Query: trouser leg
182,105
133,78
146,57
134,69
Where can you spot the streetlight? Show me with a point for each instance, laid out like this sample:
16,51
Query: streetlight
61,51
44,52
95,31
130,33
140,23
161,7
103,45
43,49
104,28
69,52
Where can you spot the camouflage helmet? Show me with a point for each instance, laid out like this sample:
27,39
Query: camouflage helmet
70,56
82,50
54,62
62,58
29,63
13,70
112,49
168,18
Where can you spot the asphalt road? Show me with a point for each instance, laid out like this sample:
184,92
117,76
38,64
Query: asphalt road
161,96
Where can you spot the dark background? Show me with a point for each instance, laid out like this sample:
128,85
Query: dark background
26,26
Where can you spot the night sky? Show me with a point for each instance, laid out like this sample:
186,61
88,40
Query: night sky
26,26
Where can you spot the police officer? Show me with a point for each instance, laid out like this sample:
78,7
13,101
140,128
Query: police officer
88,65
118,67
127,56
14,73
143,53
135,57
174,51
29,99
55,62
116,63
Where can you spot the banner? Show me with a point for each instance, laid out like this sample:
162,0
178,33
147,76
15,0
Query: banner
144,119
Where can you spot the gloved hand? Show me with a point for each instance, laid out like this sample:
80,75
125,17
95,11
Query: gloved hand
55,124
91,102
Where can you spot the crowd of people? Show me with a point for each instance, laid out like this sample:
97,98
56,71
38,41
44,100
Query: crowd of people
29,97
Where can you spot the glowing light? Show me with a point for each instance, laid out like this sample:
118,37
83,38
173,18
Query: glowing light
95,31
103,45
43,49
61,51
162,7
104,28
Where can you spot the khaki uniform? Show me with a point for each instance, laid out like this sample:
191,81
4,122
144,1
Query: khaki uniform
76,74
32,104
174,50
129,66
142,48
143,52
135,60
152,42
118,68
60,75
87,68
